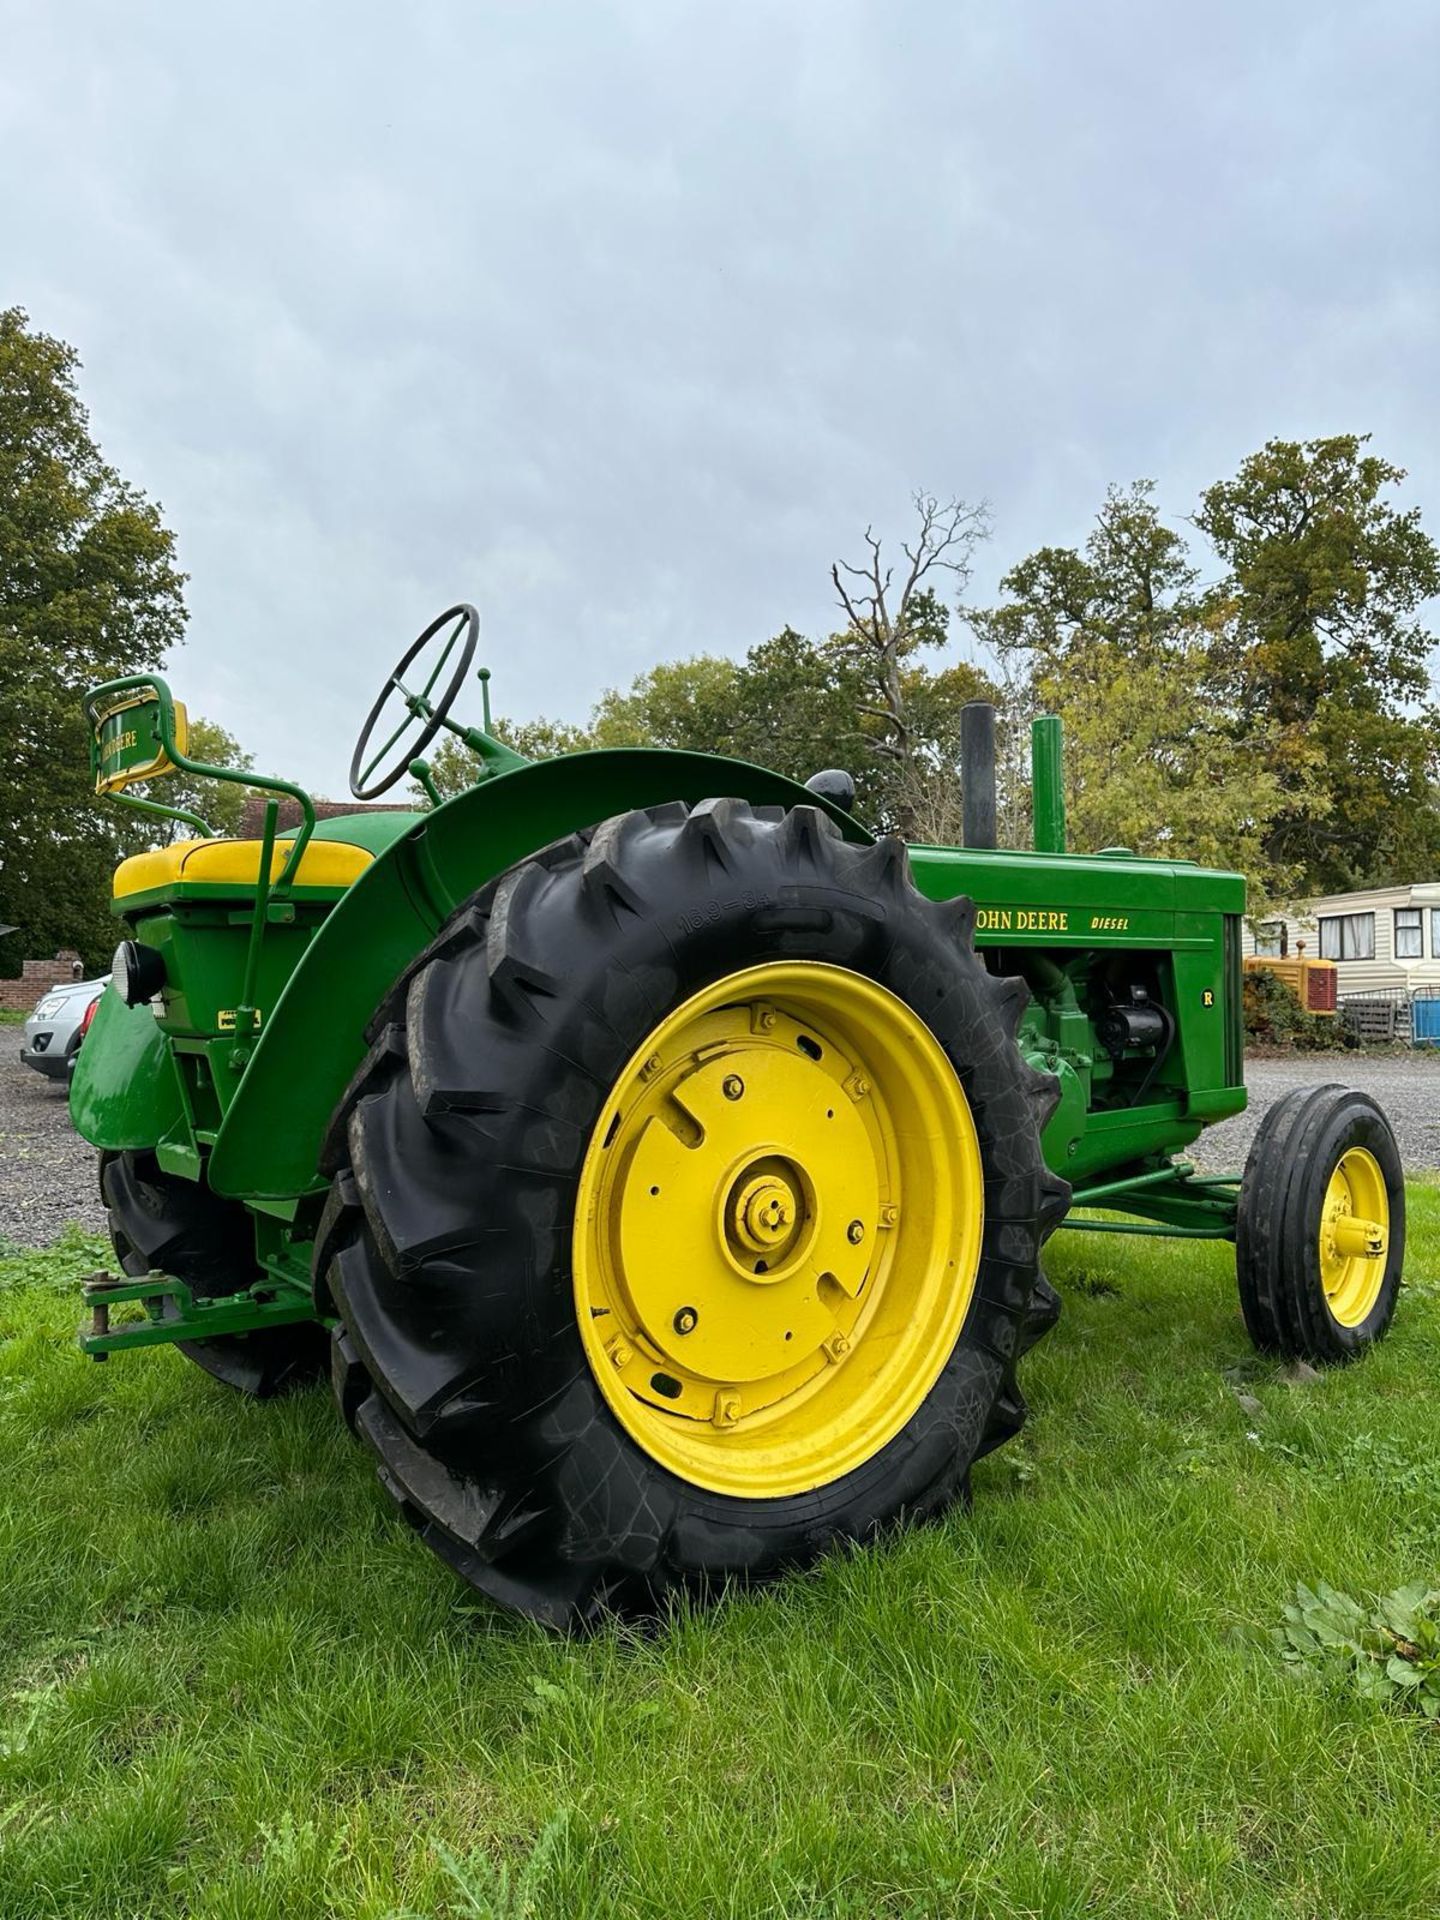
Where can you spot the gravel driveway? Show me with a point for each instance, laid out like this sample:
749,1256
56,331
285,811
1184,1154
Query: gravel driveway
47,1173
1406,1086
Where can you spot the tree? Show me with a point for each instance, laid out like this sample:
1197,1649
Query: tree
1133,586
1152,763
922,795
453,767
795,707
1319,620
791,705
679,703
89,590
540,739
887,625
1117,640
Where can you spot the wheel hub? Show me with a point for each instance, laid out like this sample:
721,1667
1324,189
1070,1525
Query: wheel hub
761,1217
780,1223
1354,1236
740,1205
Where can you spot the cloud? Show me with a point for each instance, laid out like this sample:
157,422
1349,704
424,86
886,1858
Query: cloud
623,320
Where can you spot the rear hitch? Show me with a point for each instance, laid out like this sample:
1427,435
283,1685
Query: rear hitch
172,1311
94,1288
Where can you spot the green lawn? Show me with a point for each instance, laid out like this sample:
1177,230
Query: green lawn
235,1685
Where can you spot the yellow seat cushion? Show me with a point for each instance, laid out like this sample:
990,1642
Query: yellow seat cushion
236,863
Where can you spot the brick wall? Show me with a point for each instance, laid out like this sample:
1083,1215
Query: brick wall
19,996
252,821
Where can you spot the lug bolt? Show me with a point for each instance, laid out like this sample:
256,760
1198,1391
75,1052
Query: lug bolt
686,1320
767,1020
620,1354
651,1067
732,1086
855,1233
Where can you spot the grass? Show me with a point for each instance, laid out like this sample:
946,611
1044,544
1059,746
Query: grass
13,1016
235,1686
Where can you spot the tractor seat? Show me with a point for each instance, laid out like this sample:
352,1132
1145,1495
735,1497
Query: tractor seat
334,859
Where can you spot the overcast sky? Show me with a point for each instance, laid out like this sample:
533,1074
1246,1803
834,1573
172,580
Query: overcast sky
623,319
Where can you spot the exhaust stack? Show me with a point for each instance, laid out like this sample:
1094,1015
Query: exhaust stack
977,774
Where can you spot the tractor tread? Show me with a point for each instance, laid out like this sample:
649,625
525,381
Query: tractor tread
180,1227
1296,1147
456,1156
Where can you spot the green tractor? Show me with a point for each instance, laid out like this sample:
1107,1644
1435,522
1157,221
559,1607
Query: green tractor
658,1160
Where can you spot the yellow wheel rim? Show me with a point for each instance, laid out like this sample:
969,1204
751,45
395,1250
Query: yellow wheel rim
1354,1236
778,1229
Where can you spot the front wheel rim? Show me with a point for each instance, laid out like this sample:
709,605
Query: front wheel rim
1354,1236
778,1229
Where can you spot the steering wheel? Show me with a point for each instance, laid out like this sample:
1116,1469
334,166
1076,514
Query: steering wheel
424,710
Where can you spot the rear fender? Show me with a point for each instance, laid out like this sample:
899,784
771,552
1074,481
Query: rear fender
125,1090
269,1145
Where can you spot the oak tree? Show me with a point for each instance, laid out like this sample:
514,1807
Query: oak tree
1321,629
89,590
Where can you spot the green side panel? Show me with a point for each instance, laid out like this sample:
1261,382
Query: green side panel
312,1042
373,831
1087,893
125,1091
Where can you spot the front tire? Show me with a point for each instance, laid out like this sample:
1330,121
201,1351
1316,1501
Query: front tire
1320,1233
687,1212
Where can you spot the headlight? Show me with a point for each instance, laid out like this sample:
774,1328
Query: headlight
52,1003
138,973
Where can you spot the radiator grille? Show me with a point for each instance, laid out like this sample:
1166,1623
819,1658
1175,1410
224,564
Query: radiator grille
1234,1009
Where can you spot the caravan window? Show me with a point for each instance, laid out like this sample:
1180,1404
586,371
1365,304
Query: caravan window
1409,934
1270,940
1348,936
1435,931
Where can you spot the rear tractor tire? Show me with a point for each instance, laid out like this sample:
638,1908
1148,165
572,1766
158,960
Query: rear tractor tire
1320,1235
686,1213
160,1222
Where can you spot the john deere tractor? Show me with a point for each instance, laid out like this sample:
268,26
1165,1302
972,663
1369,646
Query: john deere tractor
658,1160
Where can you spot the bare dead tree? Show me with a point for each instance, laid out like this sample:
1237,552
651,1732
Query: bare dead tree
926,801
886,621
885,625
